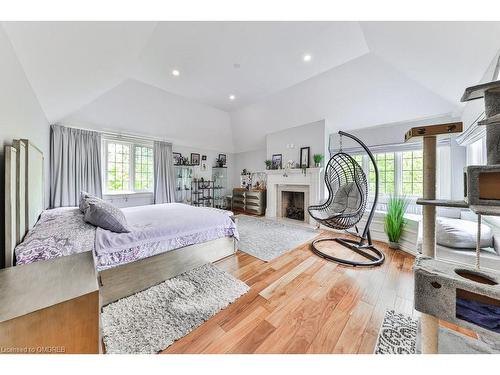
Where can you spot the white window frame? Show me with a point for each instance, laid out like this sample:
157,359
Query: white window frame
131,145
443,184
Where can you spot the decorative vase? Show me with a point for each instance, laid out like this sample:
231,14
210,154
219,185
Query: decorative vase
394,245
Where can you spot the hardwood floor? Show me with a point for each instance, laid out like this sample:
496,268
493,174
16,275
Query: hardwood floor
301,303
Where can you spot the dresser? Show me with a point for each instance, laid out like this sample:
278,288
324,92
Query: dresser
50,306
249,201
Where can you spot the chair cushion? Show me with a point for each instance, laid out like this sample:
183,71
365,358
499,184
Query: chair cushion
106,216
461,234
347,199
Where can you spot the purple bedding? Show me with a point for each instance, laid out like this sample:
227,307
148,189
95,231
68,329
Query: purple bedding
155,229
159,228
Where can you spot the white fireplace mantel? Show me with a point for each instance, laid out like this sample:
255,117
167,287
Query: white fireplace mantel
276,178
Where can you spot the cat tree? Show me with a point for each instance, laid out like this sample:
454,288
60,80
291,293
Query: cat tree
443,290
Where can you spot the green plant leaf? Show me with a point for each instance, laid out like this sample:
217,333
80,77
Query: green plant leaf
394,221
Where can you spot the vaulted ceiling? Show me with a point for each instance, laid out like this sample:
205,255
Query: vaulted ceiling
360,73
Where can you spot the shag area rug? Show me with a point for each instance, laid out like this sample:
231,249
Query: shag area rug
151,320
398,334
268,239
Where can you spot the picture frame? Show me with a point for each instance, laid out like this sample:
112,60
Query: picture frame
277,161
223,157
195,159
304,157
203,157
177,158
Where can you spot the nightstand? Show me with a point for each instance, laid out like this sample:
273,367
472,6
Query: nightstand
50,306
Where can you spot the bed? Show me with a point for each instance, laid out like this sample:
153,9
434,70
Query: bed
164,241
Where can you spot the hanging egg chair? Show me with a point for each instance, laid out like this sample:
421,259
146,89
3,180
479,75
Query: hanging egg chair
347,200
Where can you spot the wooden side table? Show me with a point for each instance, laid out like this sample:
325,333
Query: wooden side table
50,306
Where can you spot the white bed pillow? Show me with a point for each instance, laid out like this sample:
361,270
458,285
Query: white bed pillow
461,234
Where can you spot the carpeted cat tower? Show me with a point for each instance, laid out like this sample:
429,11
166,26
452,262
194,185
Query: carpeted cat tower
466,296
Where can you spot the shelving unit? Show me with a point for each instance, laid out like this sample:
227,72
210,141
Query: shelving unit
183,179
202,193
219,177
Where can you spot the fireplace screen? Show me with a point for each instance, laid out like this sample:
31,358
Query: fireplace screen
292,203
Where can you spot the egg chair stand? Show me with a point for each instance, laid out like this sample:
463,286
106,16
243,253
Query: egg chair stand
347,198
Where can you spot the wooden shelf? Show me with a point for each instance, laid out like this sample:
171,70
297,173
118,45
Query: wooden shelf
442,203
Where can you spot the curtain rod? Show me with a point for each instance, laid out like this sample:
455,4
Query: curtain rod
121,134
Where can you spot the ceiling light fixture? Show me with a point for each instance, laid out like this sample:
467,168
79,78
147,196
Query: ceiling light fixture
232,97
307,58
176,73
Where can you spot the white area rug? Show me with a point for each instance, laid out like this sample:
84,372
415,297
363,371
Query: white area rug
268,239
151,320
398,334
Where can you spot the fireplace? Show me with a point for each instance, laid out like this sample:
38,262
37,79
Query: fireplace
292,205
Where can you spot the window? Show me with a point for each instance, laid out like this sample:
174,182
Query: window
412,170
386,168
128,167
143,180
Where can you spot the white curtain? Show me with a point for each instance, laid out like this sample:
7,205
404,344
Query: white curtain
164,173
75,165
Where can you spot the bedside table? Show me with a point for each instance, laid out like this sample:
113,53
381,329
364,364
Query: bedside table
50,306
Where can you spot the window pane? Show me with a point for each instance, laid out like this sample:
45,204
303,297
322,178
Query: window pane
412,169
143,179
118,167
385,166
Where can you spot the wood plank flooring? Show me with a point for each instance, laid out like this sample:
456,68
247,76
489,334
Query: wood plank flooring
301,303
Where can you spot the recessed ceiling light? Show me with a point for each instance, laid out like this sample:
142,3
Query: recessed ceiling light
175,72
232,97
307,58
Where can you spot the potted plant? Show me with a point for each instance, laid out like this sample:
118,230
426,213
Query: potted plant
269,163
317,160
394,221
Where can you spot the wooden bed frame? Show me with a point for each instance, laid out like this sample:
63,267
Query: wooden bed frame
25,201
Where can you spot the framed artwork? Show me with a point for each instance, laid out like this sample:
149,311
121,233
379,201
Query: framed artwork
177,158
304,157
223,158
203,157
277,161
195,159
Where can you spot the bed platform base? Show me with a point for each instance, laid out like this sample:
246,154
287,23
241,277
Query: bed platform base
128,279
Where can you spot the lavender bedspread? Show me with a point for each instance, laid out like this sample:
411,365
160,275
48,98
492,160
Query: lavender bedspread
155,229
58,232
159,228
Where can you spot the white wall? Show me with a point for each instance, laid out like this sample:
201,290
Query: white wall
20,117
252,161
137,108
365,92
289,142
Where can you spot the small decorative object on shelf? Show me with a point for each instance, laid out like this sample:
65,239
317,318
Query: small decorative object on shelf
223,159
277,160
177,158
304,157
318,158
246,179
219,163
269,164
195,159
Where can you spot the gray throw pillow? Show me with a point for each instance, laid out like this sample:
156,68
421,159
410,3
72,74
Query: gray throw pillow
106,216
84,200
